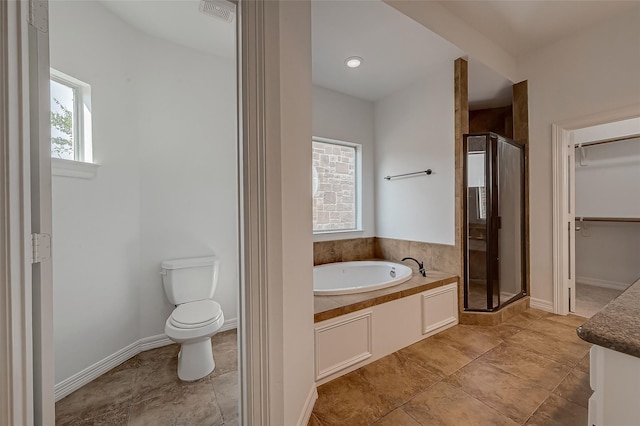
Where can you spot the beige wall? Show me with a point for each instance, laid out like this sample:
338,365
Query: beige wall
295,179
591,72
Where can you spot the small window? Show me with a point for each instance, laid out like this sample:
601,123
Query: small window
336,184
70,118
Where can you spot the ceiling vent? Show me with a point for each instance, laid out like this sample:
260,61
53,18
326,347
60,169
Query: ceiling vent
220,9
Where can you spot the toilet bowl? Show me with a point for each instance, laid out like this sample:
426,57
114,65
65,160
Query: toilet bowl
192,325
190,285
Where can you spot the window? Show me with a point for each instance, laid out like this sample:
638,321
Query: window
70,118
336,178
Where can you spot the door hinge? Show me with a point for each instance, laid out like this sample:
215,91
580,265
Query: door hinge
40,247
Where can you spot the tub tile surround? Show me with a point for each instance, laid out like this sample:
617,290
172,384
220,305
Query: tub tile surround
145,390
470,374
437,257
343,250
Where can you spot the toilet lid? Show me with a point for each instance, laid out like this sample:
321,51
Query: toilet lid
196,314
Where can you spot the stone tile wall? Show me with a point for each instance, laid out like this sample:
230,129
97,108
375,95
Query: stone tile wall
343,250
435,256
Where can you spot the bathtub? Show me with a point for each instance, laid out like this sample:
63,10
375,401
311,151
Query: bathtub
357,277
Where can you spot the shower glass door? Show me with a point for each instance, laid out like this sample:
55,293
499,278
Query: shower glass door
494,221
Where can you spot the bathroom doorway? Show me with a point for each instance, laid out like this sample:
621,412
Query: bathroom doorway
145,169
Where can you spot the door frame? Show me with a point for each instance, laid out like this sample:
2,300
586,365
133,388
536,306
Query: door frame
563,219
20,402
16,351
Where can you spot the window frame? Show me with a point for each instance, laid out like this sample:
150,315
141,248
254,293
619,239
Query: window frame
358,184
82,165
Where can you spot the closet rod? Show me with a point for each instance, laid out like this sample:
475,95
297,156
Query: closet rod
607,219
626,138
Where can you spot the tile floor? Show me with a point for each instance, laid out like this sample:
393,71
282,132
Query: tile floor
531,370
146,390
591,299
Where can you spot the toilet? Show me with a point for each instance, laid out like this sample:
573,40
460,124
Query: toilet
190,284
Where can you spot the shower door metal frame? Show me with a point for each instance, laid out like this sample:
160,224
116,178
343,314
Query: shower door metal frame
493,220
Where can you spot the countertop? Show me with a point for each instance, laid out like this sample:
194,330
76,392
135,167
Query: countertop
326,307
617,326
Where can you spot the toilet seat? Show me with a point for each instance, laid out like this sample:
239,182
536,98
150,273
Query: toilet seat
195,314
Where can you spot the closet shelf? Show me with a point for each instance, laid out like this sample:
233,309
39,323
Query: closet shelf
604,141
607,219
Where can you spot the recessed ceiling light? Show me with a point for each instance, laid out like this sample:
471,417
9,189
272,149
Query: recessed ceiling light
353,61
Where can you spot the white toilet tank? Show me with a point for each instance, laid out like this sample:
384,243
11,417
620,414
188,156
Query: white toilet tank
189,280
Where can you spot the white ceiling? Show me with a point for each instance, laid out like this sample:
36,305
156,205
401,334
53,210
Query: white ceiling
522,26
178,21
397,51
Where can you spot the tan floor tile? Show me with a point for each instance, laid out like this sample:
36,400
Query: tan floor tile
445,405
436,356
110,392
225,352
522,320
500,331
158,379
313,421
115,417
556,411
535,313
585,364
527,365
150,357
558,330
512,396
227,389
467,340
572,320
192,405
147,386
575,388
567,353
397,379
349,400
397,418
225,337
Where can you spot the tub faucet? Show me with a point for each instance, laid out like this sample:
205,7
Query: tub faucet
420,265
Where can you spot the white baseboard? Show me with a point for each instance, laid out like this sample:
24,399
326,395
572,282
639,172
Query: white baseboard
602,283
305,415
153,342
543,305
94,371
229,324
78,380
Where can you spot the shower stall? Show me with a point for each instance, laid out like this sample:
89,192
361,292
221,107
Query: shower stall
494,222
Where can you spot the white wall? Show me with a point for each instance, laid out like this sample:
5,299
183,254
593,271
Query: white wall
346,118
186,116
414,130
591,72
164,136
96,223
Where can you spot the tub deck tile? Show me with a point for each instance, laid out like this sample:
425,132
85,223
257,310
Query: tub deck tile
327,307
